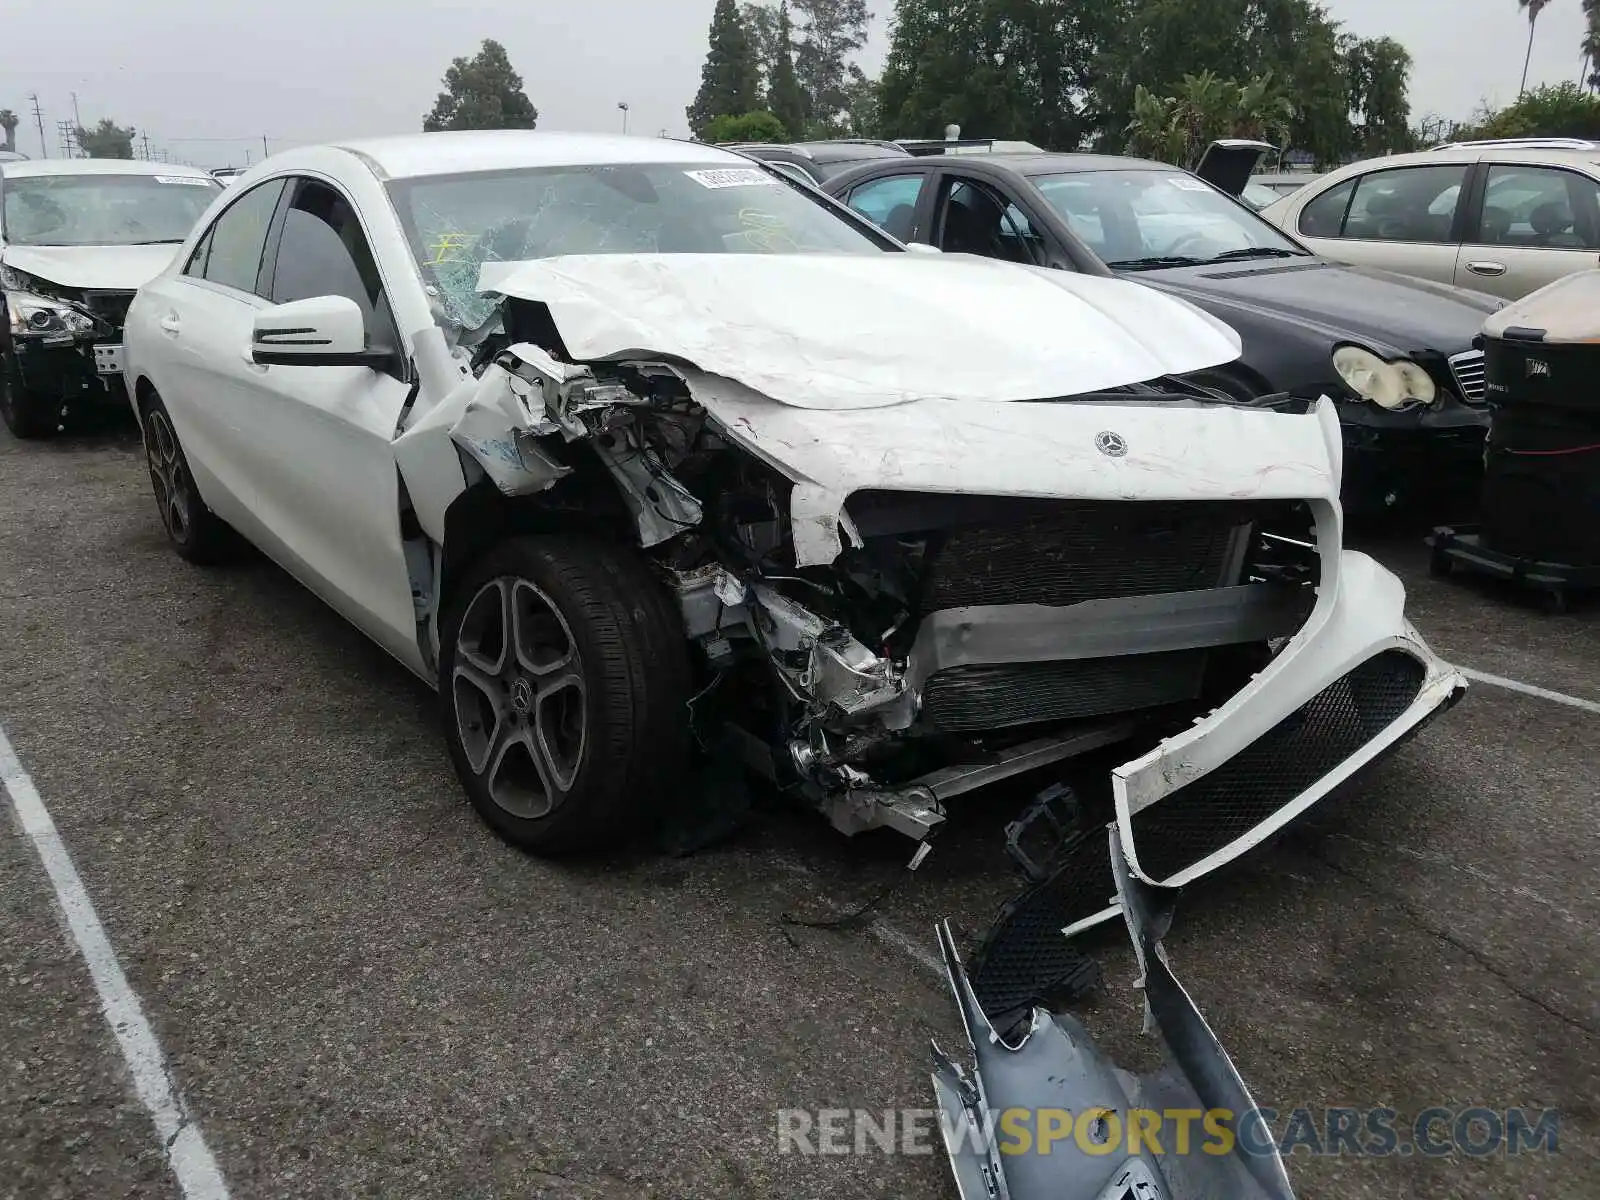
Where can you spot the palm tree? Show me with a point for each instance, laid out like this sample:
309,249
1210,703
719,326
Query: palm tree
1534,8
1591,46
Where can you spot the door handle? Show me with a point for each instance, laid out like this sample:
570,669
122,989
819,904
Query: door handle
170,324
249,356
1487,268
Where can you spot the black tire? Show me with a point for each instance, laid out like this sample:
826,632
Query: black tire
196,533
626,644
28,414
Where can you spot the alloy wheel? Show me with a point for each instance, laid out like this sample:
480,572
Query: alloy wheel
519,697
169,476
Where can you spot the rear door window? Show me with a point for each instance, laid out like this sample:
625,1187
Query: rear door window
890,203
1540,208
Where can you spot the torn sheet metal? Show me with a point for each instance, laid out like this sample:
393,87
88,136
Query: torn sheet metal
1079,1108
1034,450
852,331
496,420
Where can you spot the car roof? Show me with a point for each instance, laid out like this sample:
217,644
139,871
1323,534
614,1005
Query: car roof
26,168
1047,163
454,152
844,148
1474,153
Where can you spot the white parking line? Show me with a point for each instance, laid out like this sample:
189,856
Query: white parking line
187,1152
1528,689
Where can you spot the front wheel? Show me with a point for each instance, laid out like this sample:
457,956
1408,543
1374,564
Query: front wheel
564,680
196,533
29,414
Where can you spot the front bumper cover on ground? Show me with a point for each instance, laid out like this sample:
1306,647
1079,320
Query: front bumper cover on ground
1049,1117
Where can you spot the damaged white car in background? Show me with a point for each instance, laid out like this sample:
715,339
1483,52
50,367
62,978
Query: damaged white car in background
626,444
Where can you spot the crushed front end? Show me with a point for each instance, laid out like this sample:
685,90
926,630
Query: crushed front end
65,345
907,582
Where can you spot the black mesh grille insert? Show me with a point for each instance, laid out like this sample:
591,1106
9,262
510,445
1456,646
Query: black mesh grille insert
995,697
1024,960
110,307
1202,817
1066,552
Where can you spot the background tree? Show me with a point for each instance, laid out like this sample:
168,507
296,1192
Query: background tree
1178,128
746,127
482,92
106,140
1591,45
862,115
730,80
998,68
1378,73
785,98
8,127
1533,8
829,33
761,27
1559,110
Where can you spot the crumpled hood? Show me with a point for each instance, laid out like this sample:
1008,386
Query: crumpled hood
109,268
868,331
1388,312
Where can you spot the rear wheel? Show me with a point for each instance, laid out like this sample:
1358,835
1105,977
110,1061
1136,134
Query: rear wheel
196,533
564,680
28,413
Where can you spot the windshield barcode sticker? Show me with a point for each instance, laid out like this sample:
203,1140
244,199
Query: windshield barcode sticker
1187,183
186,180
726,177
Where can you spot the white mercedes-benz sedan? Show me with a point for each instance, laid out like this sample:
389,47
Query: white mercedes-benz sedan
641,453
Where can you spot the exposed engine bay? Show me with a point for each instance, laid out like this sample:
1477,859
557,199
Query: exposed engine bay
910,570
954,641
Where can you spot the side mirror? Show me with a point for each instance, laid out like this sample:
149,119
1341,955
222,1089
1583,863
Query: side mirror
324,331
922,248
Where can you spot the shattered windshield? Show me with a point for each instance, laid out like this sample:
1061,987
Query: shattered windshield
103,210
456,223
1154,218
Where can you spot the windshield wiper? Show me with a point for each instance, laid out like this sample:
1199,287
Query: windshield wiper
157,242
1155,263
1256,252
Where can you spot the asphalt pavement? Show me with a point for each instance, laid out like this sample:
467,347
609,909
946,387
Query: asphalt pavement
361,992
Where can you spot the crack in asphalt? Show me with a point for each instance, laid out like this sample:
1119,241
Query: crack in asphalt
1472,952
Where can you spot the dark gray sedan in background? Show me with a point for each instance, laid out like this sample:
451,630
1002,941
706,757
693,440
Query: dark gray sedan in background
1395,353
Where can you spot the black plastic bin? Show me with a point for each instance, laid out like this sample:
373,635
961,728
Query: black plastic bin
1539,517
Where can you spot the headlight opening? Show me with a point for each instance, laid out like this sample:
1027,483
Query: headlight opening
1394,385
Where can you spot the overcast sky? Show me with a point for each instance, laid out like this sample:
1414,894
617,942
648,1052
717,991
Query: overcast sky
206,79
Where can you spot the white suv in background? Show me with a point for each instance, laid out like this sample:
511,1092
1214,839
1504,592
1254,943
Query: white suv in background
1499,217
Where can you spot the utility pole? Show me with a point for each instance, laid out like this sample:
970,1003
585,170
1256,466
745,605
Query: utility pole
76,119
623,105
265,153
67,134
145,139
38,120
